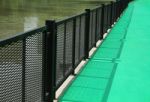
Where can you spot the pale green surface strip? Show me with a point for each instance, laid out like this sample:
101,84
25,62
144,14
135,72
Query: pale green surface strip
127,45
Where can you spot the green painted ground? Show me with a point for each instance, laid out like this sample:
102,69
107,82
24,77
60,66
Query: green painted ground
119,71
132,79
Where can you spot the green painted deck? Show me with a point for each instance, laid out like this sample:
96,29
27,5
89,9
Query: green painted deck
119,71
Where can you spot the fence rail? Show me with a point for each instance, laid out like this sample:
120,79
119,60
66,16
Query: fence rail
33,65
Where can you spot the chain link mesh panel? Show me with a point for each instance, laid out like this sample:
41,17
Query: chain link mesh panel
98,32
93,27
105,19
60,53
21,69
108,16
82,37
64,53
90,31
33,68
11,72
68,47
77,40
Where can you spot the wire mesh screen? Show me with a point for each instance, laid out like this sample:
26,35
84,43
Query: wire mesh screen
108,16
64,50
33,68
60,53
21,69
105,19
82,37
77,40
93,27
92,32
68,47
11,72
98,26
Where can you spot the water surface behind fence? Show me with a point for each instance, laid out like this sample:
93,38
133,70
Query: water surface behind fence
23,15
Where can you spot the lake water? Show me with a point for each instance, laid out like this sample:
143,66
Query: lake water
22,15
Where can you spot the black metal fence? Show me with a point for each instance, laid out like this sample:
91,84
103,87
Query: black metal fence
33,65
21,69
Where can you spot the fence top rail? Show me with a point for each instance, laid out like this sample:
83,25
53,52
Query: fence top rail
20,36
95,8
98,7
75,16
69,18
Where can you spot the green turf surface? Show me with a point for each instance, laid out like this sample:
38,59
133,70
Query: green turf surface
91,83
131,82
119,71
106,53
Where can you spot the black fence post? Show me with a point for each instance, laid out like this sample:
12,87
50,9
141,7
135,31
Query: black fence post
73,47
114,12
120,8
96,22
117,10
50,60
102,22
111,14
87,32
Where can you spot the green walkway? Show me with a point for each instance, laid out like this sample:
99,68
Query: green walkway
119,71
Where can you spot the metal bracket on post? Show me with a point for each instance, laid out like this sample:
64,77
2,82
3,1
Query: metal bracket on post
50,60
87,32
102,22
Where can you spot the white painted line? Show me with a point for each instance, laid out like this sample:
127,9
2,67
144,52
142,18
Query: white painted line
63,86
78,68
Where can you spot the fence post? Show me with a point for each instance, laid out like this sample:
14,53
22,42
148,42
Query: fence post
87,31
73,47
120,8
122,3
50,60
115,10
96,22
102,22
111,14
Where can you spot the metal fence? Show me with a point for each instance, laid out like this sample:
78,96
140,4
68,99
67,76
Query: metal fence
33,65
21,69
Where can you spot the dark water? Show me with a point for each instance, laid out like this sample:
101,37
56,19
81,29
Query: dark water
22,15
